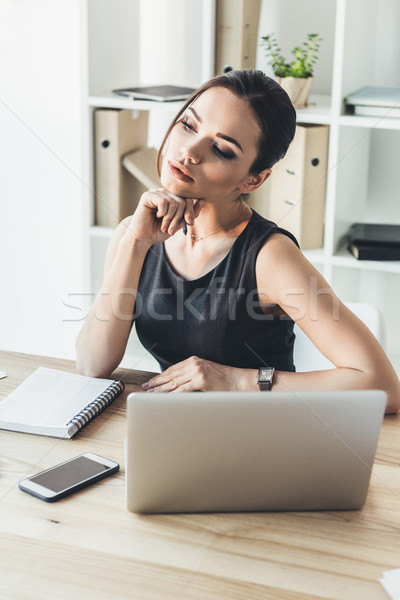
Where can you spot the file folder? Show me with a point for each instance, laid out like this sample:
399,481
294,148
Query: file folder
116,133
298,185
236,34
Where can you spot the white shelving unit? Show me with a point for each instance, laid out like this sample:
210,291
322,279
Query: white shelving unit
361,43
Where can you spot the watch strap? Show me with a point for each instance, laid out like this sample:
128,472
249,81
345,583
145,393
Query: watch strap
265,386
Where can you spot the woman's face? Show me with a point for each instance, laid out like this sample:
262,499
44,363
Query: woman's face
211,149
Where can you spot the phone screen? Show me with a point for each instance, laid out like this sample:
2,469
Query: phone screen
69,474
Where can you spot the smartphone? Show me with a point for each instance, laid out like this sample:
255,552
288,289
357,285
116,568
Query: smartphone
68,477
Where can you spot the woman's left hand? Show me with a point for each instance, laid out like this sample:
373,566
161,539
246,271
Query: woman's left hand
195,374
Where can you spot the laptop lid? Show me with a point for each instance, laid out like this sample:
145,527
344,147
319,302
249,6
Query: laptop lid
252,451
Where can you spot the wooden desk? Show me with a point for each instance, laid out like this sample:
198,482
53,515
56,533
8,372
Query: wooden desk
89,546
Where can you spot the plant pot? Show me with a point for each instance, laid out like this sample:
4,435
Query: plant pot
297,88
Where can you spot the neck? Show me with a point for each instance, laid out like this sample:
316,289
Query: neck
219,215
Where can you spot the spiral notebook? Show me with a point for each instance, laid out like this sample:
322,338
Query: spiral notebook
56,403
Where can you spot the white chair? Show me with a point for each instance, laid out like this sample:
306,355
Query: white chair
307,357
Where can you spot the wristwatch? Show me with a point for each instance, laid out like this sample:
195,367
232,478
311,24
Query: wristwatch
265,377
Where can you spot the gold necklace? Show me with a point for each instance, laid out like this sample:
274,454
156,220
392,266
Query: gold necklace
198,238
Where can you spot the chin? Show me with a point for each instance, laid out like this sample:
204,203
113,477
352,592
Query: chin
174,186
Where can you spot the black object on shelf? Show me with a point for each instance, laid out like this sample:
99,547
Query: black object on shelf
374,241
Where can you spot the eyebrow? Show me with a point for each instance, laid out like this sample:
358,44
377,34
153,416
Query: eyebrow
220,135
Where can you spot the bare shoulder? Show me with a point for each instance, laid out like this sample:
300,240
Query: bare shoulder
279,249
280,263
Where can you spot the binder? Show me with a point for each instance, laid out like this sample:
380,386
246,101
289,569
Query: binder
237,34
298,185
116,133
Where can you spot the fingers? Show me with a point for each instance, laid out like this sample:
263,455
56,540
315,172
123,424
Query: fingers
172,379
167,382
172,210
185,376
191,211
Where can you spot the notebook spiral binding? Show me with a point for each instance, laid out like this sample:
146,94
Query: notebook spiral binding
85,416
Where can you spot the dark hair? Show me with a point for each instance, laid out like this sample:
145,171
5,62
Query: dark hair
270,104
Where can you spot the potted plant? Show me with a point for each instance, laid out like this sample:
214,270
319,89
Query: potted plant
295,77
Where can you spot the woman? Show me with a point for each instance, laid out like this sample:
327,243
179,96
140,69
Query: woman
218,303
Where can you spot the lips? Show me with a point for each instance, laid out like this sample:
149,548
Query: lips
179,171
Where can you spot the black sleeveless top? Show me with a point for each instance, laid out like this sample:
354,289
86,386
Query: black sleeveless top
217,316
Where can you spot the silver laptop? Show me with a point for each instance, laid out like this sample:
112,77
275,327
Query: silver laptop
252,451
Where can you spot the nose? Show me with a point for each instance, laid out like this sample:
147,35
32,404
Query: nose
190,154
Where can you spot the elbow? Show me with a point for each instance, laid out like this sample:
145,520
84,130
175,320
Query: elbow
91,370
393,404
84,369
387,381
91,361
391,386
392,390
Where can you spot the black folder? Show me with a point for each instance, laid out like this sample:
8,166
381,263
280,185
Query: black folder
373,241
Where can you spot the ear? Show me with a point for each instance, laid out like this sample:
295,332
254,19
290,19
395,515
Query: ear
252,182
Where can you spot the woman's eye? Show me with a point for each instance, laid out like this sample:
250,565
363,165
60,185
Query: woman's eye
217,150
187,126
222,154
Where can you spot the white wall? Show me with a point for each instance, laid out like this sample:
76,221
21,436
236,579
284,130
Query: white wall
172,41
294,20
41,169
177,42
114,39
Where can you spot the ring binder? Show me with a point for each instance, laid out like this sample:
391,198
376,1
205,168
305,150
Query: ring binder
97,406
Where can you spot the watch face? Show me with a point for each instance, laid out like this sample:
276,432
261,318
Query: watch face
264,375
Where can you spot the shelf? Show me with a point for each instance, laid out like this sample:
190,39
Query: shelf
344,259
369,122
315,256
111,100
319,111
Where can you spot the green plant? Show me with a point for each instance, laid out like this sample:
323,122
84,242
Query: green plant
305,56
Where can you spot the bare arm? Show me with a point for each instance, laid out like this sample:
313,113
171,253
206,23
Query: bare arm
306,297
102,341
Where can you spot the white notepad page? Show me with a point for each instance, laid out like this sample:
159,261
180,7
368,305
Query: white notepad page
50,398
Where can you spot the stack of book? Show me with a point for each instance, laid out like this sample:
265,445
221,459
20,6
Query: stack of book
371,241
372,101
